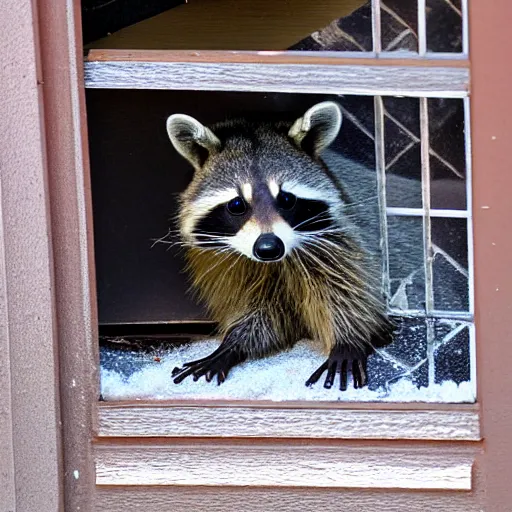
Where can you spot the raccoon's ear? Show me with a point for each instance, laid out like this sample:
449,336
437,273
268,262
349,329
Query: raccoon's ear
191,139
317,128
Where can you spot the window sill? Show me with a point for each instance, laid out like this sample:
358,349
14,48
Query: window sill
290,420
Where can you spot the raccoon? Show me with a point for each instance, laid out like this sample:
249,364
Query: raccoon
275,243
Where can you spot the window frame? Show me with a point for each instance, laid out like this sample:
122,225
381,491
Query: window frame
292,72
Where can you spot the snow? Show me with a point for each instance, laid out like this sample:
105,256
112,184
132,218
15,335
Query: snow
277,378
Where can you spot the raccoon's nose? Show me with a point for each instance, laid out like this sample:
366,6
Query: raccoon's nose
268,247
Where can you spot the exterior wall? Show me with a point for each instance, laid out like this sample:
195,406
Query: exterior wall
30,448
490,46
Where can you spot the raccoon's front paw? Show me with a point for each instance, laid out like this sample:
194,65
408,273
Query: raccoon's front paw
217,364
341,360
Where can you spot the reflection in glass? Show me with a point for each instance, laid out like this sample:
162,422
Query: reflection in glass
450,265
447,154
444,26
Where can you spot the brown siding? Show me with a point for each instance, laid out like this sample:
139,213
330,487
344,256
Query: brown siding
30,453
490,44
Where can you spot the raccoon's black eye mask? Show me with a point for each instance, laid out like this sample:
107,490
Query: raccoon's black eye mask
225,219
285,201
302,215
307,215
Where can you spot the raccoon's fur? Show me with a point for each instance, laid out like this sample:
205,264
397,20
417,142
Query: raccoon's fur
276,243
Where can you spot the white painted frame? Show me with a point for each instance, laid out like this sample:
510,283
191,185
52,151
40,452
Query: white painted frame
324,421
412,81
312,466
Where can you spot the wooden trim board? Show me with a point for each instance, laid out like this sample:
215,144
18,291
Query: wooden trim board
31,469
72,246
265,499
294,465
360,79
385,59
153,420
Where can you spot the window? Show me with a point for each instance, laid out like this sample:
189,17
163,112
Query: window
411,131
134,195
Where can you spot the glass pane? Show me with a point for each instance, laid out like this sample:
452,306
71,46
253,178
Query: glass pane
358,140
447,154
399,25
402,152
406,262
450,265
452,352
405,358
444,26
351,33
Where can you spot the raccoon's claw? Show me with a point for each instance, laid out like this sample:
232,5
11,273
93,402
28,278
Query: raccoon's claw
341,360
217,364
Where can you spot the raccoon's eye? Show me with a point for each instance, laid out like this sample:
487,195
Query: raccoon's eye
286,200
236,206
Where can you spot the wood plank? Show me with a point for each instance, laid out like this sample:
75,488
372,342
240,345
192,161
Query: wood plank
72,246
444,82
283,465
189,421
288,57
254,499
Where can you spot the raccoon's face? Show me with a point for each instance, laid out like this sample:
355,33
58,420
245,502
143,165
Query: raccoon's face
259,189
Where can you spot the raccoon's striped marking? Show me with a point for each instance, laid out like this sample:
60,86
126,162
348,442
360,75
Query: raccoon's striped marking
273,187
272,248
247,192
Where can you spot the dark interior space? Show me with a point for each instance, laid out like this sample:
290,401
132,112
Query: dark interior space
136,178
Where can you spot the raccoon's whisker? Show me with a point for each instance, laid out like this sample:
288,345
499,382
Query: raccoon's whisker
317,217
209,242
324,246
211,234
303,266
311,225
234,263
320,238
327,253
206,239
354,274
215,248
163,238
170,245
167,242
323,231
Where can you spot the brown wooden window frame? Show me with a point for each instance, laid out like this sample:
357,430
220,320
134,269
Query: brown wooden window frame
112,452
